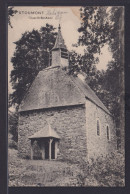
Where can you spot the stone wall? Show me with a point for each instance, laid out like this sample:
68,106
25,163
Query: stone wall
69,123
98,145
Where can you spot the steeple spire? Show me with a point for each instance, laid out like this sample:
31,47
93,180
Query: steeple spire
59,40
59,54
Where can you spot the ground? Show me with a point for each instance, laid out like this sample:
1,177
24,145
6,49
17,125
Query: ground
106,172
24,172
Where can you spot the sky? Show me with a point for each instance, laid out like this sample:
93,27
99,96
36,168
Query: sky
29,18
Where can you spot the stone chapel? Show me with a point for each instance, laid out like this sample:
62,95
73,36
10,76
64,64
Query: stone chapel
61,117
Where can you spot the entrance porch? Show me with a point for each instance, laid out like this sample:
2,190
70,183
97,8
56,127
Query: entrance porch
44,144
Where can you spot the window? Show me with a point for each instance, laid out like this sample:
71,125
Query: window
108,133
98,127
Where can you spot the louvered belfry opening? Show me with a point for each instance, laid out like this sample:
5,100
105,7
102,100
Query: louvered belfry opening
64,53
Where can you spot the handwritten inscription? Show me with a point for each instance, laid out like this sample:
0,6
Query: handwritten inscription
46,14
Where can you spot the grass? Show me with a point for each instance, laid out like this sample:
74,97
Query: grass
24,172
106,172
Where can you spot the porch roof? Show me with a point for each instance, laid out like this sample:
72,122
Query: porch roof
45,132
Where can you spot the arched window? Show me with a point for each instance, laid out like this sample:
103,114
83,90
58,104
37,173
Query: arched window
108,133
98,127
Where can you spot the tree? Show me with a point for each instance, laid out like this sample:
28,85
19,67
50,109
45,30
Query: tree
80,64
30,56
100,26
75,63
11,13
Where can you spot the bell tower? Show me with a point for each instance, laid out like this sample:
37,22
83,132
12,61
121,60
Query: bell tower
59,55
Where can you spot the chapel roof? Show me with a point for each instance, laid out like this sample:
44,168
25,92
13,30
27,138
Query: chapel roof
53,87
46,132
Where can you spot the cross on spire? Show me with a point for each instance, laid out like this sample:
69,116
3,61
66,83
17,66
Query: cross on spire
59,28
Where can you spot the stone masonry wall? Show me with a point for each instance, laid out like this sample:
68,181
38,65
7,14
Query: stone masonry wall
69,123
99,145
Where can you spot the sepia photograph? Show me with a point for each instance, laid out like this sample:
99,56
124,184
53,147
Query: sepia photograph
66,123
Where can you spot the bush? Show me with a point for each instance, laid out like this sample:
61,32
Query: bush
13,125
104,171
11,142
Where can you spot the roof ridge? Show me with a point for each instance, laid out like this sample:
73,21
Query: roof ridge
50,67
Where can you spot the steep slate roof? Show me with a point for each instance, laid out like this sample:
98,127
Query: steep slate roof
46,132
89,93
53,87
59,43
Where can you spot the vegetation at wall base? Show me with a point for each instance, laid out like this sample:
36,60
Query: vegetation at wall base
106,171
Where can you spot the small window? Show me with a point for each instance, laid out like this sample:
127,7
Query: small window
108,133
98,127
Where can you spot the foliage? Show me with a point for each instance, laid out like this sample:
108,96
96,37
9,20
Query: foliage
106,90
31,55
94,28
104,171
42,172
100,26
12,129
79,64
11,143
11,13
75,63
13,125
